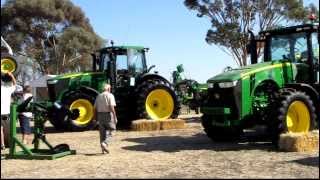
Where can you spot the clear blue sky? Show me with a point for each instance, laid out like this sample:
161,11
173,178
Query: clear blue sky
173,33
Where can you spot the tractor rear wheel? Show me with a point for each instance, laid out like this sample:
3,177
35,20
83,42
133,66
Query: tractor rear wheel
157,100
82,107
295,113
9,64
217,133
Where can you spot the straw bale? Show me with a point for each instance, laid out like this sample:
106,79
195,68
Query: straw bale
299,142
145,125
172,124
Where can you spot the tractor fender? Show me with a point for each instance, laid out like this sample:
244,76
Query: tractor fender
264,82
148,76
308,89
89,90
85,89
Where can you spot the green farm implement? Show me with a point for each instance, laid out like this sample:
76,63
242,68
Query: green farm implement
40,117
189,91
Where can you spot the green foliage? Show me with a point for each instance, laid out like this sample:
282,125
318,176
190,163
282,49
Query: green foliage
232,19
53,32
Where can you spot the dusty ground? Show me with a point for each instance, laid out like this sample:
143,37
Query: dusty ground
185,153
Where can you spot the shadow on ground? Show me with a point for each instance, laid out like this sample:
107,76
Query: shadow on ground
196,142
309,161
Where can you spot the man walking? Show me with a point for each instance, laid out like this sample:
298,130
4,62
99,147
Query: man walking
106,116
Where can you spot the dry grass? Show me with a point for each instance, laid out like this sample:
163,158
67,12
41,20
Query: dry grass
299,142
175,153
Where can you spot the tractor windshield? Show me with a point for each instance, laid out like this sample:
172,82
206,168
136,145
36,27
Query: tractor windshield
291,47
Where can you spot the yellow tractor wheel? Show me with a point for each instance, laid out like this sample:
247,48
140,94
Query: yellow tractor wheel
8,64
157,100
294,113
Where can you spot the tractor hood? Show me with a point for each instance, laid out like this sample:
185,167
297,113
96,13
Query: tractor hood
240,73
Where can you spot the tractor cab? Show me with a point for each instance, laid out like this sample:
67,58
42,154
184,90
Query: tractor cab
122,64
298,45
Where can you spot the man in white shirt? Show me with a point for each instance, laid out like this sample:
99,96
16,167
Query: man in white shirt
8,86
106,116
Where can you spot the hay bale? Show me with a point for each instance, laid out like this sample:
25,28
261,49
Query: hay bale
153,125
172,124
145,125
299,142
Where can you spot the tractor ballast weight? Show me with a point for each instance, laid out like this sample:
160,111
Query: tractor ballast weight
139,93
280,92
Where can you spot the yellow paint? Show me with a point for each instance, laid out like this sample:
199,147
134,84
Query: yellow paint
159,104
247,74
8,65
85,111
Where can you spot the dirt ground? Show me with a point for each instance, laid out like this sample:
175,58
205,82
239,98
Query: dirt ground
184,153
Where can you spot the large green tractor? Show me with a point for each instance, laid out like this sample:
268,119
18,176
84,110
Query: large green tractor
279,90
139,93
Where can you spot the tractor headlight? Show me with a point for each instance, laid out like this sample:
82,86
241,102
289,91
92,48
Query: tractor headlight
52,81
228,84
210,85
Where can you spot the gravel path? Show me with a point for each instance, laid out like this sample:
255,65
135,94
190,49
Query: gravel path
184,153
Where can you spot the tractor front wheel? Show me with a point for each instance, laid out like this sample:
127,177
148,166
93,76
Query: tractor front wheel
82,107
295,113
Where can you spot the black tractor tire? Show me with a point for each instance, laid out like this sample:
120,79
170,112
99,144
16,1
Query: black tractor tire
220,134
281,108
63,121
148,86
11,59
6,131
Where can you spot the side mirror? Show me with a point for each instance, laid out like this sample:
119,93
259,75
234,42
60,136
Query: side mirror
248,48
95,62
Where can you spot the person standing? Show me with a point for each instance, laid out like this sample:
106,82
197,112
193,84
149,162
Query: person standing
25,117
105,114
8,86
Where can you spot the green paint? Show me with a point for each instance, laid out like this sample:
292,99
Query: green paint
247,94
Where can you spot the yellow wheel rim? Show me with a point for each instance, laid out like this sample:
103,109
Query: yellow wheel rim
159,104
8,65
298,117
85,111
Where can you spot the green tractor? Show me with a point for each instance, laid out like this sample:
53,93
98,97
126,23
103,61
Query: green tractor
139,93
189,91
279,90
